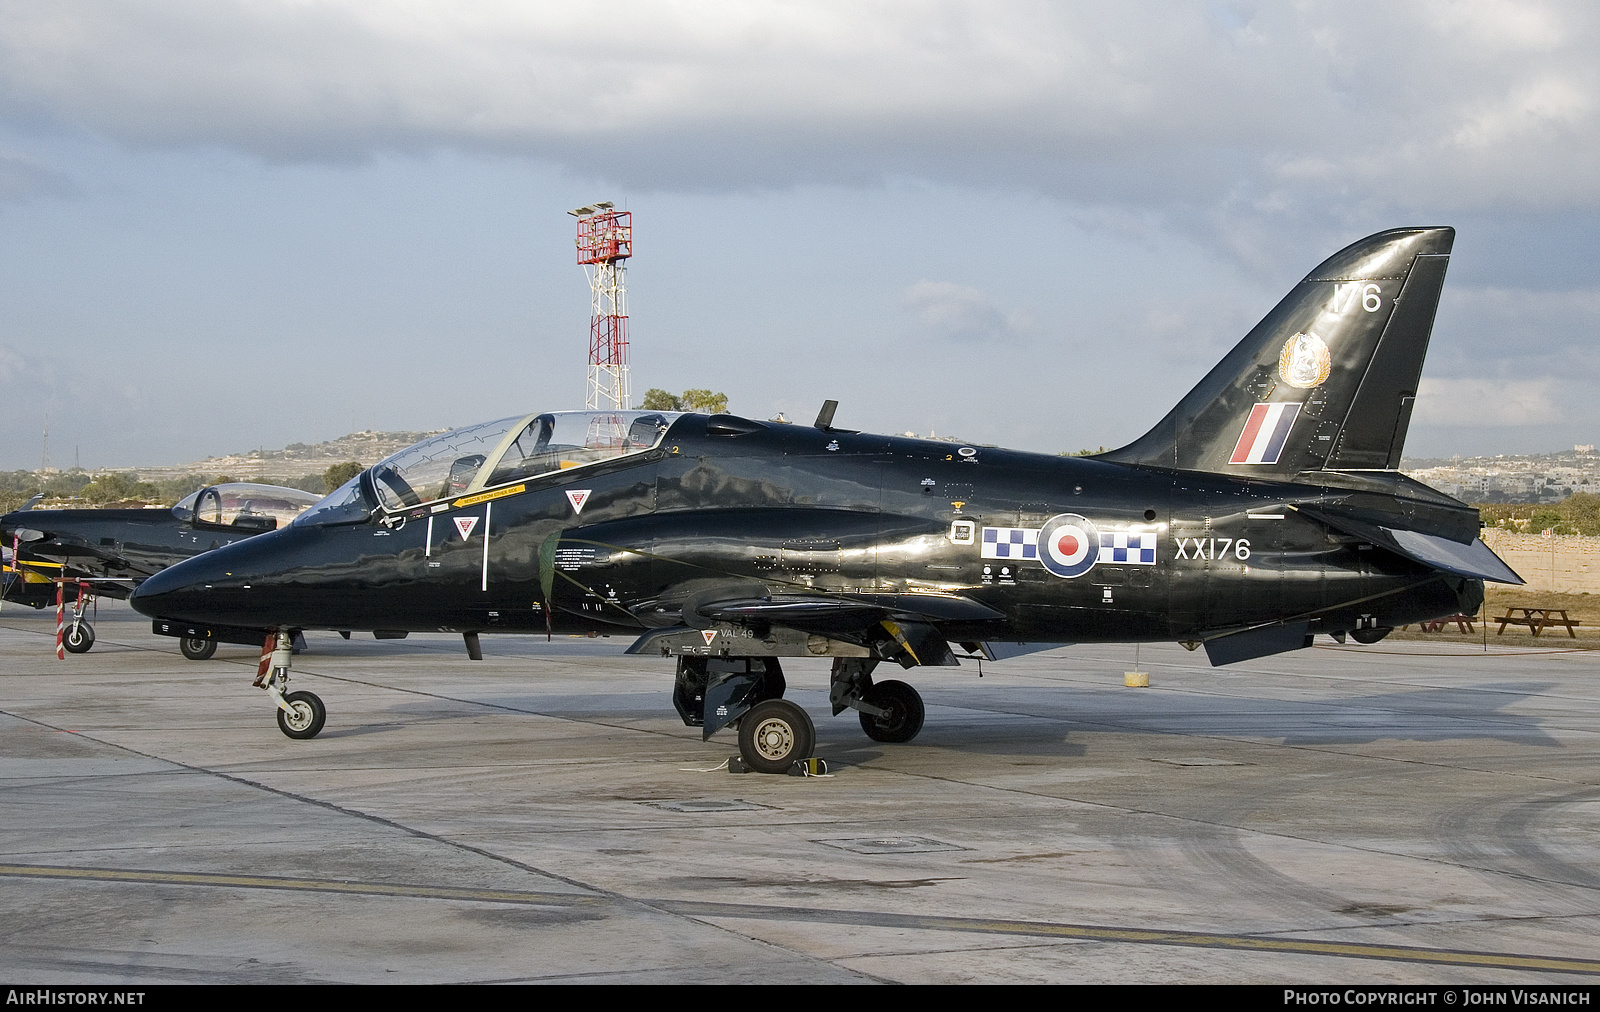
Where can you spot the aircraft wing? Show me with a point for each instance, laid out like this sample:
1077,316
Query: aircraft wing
812,612
1473,559
74,554
908,623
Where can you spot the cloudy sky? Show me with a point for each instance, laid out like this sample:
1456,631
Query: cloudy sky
237,223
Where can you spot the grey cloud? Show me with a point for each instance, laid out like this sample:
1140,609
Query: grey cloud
24,179
1517,334
962,313
1272,112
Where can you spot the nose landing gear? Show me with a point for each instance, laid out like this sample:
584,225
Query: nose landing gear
300,714
78,638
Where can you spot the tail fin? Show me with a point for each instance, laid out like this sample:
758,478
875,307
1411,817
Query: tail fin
1326,381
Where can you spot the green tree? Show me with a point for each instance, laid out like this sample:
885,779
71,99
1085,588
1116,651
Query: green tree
705,400
307,483
338,474
1547,519
173,489
656,399
1582,511
119,486
64,484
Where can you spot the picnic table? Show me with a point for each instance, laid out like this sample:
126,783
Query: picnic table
1463,623
1538,619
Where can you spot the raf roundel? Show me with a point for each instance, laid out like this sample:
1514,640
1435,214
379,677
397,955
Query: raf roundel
1069,545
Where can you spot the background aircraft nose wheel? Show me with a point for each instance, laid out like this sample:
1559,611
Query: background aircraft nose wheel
775,733
904,718
197,649
78,638
307,718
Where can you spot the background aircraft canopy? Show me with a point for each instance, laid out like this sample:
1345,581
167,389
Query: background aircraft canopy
510,449
244,504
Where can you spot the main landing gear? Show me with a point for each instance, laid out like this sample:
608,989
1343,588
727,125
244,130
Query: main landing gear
890,711
300,714
747,693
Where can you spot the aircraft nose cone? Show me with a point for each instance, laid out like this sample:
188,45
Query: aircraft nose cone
211,588
176,592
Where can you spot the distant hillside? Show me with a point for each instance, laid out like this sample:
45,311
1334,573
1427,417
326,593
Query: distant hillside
296,465
292,461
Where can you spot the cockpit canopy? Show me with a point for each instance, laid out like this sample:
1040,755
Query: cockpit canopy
244,504
496,453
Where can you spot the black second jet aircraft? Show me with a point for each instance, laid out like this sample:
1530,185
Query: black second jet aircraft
111,551
1265,509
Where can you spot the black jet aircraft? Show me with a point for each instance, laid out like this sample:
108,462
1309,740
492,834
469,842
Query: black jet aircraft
108,552
1263,510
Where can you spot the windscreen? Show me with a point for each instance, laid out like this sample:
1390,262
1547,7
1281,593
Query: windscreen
512,449
346,504
440,467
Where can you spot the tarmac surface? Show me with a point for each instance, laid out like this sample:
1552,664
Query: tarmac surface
1406,813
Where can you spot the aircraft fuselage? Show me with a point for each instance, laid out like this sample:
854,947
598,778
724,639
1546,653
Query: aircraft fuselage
616,547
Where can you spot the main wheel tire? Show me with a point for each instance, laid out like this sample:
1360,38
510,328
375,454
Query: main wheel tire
904,718
78,638
774,734
197,649
307,718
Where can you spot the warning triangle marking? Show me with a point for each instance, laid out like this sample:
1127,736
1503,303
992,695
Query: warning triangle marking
577,497
709,634
465,526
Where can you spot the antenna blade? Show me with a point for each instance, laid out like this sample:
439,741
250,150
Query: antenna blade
825,416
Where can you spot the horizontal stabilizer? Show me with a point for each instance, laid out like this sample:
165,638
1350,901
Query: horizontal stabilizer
1475,560
1255,643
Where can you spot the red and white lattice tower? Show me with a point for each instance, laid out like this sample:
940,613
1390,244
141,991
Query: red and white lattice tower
605,241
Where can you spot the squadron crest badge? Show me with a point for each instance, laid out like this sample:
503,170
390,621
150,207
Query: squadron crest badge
1305,361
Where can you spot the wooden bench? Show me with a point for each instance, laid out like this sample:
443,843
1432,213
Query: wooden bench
1538,620
1463,623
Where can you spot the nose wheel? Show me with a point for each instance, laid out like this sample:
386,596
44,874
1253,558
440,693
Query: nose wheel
78,638
304,716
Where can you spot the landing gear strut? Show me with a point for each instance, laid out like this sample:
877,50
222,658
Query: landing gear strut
77,637
890,711
300,714
714,692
